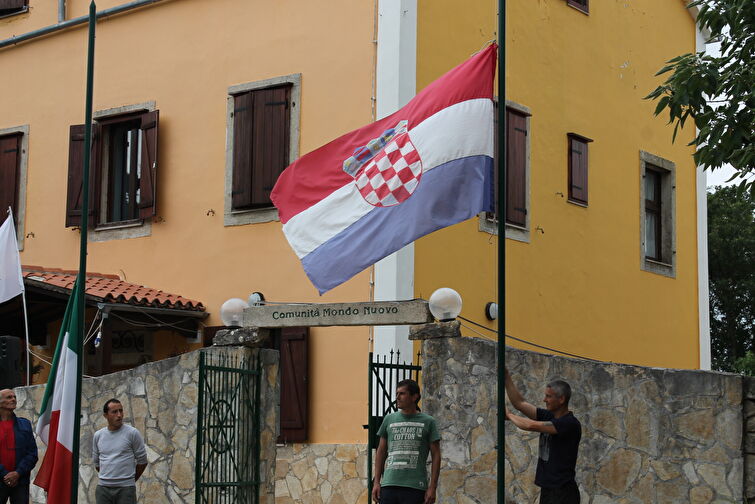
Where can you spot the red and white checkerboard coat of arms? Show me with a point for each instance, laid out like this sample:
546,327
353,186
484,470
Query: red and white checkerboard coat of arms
393,173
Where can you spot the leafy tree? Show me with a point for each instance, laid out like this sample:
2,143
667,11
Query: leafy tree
731,264
718,92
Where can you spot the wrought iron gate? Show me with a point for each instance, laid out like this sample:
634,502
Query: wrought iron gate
228,430
382,381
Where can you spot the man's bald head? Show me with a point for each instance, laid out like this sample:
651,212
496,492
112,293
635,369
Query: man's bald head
7,400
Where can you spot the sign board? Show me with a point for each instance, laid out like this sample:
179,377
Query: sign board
374,313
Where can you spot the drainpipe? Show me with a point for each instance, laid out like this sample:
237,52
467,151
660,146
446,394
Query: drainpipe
61,11
62,25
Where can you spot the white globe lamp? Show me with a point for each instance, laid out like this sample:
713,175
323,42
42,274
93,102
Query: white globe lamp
232,311
445,304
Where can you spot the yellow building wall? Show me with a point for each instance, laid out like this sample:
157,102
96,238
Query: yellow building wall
577,285
184,54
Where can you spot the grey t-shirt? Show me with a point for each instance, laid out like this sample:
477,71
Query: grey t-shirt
117,453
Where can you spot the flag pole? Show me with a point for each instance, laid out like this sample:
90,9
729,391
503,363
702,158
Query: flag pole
501,209
26,331
81,279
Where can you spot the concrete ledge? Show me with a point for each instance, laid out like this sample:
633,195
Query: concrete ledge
435,330
253,337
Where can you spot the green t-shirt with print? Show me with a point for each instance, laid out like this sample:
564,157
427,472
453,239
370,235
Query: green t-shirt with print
408,438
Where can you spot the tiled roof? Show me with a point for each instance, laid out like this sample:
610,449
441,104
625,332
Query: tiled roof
108,289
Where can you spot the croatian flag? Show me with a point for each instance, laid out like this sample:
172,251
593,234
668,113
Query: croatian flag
368,193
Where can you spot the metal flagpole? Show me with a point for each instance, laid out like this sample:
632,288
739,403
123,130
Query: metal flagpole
81,279
26,330
501,209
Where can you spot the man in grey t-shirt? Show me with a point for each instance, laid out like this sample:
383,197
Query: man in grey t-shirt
119,456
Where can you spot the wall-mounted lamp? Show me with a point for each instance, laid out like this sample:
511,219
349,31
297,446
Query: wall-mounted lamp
445,304
491,311
232,311
256,299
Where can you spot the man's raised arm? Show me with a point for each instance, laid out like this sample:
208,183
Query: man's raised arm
517,400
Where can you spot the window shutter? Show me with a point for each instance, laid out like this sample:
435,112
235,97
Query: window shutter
10,147
293,394
12,4
516,159
147,185
243,108
74,199
577,167
271,141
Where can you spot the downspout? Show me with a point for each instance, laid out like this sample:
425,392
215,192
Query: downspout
81,20
61,11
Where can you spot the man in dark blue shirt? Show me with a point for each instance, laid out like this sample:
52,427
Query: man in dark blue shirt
560,433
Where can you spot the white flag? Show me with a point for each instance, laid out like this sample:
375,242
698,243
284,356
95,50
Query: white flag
11,281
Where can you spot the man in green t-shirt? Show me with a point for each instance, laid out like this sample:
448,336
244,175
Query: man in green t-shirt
406,438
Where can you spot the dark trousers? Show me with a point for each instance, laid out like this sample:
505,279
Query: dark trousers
567,494
401,495
115,495
18,494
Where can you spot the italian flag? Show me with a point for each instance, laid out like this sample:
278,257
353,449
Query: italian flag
57,417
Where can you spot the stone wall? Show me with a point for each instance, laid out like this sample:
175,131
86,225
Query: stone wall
648,435
321,474
749,448
160,400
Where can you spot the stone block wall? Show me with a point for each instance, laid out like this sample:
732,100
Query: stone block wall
160,400
749,444
321,474
648,435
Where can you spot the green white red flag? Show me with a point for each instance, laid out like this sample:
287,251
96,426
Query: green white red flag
58,414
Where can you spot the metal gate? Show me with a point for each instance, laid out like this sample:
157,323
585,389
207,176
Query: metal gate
228,430
382,381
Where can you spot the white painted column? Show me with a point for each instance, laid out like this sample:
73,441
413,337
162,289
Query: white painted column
703,301
396,78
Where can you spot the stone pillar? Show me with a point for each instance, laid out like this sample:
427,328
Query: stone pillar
749,444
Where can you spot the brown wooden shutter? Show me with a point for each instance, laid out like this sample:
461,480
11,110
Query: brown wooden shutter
271,141
74,198
516,168
147,182
10,153
243,116
293,394
12,4
577,156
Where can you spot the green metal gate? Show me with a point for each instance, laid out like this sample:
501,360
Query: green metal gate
383,378
228,429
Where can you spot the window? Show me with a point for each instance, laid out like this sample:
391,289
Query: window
13,161
577,155
581,5
657,206
263,140
10,7
517,174
122,190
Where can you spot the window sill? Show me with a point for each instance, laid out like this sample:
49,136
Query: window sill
513,232
256,216
20,11
659,267
577,203
120,230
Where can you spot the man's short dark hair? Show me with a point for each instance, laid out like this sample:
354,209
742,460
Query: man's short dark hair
106,408
412,386
561,388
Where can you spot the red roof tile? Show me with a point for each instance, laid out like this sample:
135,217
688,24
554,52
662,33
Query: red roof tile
109,289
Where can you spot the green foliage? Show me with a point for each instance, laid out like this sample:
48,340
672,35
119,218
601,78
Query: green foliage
718,93
731,268
745,365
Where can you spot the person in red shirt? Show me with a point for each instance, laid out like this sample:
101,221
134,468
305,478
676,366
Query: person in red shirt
18,452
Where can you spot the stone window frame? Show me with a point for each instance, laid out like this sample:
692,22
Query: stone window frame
131,229
667,169
23,166
258,215
490,225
